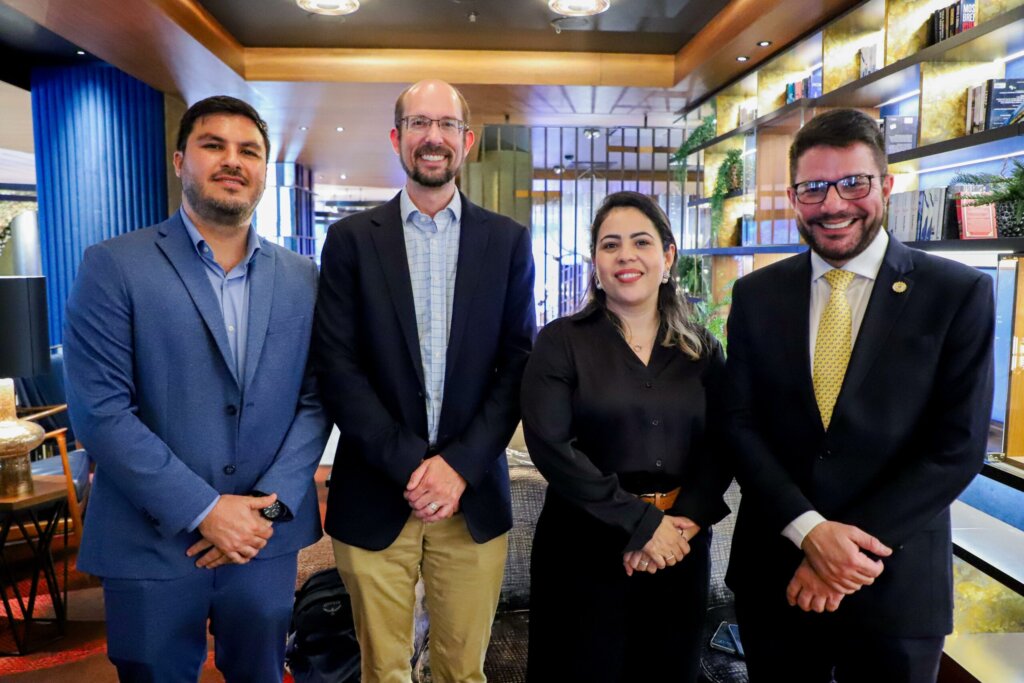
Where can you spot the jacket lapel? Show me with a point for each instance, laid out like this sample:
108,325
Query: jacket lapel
473,238
180,251
883,310
261,297
794,330
389,240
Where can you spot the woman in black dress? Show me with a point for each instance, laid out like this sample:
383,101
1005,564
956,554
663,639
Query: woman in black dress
621,400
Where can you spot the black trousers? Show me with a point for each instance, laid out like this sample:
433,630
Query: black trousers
784,643
591,622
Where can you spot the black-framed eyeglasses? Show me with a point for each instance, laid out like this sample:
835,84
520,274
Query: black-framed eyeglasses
850,187
421,124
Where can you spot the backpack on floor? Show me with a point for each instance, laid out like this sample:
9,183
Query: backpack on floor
322,645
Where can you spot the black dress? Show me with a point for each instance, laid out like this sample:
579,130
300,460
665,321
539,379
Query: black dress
601,426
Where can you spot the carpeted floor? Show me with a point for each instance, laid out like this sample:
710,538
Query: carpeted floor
80,655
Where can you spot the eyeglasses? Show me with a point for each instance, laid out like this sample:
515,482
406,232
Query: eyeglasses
850,187
421,124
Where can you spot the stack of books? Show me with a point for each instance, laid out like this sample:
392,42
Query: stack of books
951,20
806,87
941,213
996,102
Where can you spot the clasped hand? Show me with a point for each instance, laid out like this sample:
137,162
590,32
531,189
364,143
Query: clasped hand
434,490
233,532
667,547
835,565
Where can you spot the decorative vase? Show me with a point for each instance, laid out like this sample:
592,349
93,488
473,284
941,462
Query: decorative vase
1010,218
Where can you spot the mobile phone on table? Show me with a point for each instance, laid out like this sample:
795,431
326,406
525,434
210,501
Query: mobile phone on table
722,640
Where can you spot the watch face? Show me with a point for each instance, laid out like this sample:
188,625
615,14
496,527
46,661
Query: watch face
272,511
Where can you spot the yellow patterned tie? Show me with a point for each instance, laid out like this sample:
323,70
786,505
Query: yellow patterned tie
832,348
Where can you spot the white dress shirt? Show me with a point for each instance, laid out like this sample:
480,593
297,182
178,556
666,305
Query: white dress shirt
865,267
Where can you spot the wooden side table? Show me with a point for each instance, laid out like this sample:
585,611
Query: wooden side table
39,512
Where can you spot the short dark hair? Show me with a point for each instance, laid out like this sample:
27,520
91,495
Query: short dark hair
220,104
400,106
839,128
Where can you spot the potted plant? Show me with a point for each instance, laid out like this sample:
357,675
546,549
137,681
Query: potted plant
729,178
1007,193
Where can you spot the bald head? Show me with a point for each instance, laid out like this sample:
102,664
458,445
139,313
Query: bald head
433,88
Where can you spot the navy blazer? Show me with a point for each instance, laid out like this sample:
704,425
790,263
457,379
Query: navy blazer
153,396
908,433
367,352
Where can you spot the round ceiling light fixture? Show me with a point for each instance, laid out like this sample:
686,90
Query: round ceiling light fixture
331,8
578,8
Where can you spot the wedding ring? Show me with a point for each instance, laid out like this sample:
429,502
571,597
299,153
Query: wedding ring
644,563
434,507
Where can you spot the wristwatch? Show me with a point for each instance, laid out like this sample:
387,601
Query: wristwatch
272,511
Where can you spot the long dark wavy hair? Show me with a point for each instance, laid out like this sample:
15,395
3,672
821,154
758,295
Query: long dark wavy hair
676,316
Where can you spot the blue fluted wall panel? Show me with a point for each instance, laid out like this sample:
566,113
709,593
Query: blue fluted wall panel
99,144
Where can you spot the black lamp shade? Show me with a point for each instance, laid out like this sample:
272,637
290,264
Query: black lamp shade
24,330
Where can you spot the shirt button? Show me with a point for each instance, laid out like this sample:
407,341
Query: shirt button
231,410
654,422
229,469
231,328
657,463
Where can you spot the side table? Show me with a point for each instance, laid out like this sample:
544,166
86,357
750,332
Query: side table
39,512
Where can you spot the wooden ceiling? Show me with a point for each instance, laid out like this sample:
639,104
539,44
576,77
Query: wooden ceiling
641,61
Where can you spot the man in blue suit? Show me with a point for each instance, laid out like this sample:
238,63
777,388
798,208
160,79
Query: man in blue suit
424,323
185,349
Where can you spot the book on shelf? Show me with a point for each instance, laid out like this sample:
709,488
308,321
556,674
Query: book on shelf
968,14
976,221
748,230
747,111
953,19
868,57
900,133
902,216
931,214
995,103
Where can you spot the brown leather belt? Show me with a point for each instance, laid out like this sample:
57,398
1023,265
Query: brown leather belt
662,501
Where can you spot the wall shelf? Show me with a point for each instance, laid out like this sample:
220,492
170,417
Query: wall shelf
746,251
1008,245
989,544
1005,474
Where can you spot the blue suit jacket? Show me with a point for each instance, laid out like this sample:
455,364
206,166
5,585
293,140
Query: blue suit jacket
368,358
154,398
907,435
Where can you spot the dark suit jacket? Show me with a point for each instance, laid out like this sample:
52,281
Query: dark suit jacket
153,396
908,432
368,357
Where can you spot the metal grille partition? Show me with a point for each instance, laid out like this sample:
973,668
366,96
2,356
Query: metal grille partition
553,179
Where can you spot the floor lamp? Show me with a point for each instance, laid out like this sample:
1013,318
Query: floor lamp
24,352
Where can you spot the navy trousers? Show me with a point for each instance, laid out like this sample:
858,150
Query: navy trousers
156,630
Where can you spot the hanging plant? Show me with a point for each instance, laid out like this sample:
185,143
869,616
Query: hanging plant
729,178
701,134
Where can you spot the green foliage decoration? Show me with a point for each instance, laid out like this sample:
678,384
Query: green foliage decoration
724,185
701,134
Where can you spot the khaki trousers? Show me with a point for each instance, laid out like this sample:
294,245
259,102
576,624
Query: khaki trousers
462,581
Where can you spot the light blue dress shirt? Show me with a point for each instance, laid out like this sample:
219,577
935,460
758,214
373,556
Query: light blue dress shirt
432,247
232,292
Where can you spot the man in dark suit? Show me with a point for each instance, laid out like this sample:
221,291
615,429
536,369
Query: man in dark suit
185,354
861,388
424,322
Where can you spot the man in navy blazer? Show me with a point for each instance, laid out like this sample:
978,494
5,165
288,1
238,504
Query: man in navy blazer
849,460
424,322
186,360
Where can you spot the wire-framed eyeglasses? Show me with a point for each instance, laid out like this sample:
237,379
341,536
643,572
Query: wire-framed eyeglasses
850,187
421,124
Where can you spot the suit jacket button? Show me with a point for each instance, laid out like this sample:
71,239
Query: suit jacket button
231,410
229,469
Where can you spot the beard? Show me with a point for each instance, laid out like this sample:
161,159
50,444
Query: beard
837,252
214,209
439,178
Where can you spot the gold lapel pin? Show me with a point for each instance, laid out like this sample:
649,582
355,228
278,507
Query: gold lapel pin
899,286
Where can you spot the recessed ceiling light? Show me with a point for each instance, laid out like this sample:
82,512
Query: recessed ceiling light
742,58
340,129
303,127
764,43
343,176
578,8
80,52
331,8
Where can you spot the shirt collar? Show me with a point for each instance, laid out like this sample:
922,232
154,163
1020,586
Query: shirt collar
408,208
866,264
252,241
